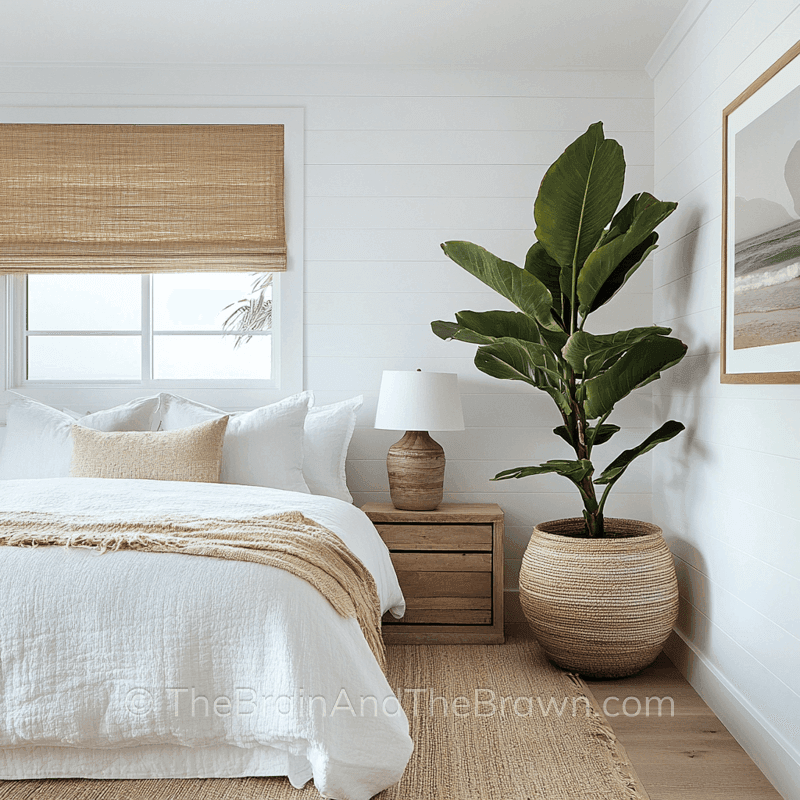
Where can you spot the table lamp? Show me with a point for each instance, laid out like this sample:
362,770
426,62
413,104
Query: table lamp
418,402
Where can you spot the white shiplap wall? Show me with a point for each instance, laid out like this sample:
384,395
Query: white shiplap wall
727,494
398,161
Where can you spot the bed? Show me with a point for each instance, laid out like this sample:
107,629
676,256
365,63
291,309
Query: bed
162,665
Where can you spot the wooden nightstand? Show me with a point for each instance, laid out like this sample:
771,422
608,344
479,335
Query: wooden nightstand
450,565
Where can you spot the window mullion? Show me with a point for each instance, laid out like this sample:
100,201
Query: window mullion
17,331
147,328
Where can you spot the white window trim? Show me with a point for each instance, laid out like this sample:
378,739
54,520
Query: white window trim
288,304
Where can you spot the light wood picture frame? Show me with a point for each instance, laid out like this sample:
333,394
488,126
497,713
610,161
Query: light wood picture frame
760,338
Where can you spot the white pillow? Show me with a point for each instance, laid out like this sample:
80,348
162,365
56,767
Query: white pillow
38,442
263,447
328,432
138,415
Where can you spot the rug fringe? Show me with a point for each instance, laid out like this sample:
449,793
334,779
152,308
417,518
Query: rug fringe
623,767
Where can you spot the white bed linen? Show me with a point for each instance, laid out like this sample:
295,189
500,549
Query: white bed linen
94,648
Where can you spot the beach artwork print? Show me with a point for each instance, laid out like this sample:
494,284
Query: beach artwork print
766,302
761,281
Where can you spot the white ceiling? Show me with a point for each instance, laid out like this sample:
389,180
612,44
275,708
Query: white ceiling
499,34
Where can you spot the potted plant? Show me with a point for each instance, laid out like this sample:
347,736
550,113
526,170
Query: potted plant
600,594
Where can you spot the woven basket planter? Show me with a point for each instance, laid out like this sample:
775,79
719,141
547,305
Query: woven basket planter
599,607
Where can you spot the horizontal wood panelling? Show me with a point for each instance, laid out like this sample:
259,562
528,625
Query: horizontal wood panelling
751,677
421,308
458,113
376,113
726,492
66,80
697,243
702,162
440,180
754,23
360,375
477,213
707,30
752,627
415,277
365,244
398,308
377,341
520,410
476,475
459,147
503,445
772,550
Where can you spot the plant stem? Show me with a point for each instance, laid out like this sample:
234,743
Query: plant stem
593,514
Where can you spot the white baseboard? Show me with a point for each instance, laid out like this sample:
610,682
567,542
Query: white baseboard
772,753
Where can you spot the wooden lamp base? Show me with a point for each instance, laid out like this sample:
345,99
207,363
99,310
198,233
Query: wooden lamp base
416,472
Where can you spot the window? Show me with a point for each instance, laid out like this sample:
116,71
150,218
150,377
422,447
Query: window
148,328
90,341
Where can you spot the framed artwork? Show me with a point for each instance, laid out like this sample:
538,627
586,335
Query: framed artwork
761,229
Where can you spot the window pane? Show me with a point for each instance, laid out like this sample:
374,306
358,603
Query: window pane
84,358
84,302
211,357
200,300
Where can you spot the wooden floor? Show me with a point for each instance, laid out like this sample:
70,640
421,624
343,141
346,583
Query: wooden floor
688,756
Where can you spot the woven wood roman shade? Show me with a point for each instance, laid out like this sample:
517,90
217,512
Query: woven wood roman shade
141,198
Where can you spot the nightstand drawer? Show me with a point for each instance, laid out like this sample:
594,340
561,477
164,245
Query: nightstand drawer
469,616
436,537
442,562
445,611
445,584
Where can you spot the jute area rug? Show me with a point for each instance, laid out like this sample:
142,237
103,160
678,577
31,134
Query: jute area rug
548,740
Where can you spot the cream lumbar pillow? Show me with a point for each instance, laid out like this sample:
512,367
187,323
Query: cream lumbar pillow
189,454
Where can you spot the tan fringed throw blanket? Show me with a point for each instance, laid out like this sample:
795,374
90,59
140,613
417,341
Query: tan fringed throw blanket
288,541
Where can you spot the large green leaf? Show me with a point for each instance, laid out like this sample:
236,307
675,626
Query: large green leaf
603,433
539,263
620,222
514,360
620,276
514,324
593,434
578,197
642,216
447,330
555,340
574,470
519,286
563,432
486,327
639,365
500,324
517,360
615,469
588,354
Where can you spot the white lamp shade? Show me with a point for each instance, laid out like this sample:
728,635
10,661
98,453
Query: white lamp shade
419,401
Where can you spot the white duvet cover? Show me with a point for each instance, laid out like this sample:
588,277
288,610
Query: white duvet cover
156,665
